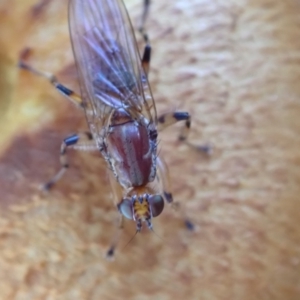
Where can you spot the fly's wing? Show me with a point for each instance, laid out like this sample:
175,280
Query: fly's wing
108,61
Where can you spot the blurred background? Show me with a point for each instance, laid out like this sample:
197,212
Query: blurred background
235,66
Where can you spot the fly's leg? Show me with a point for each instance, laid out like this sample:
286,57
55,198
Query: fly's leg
117,195
146,59
171,118
82,141
146,6
147,50
71,95
168,119
111,251
164,177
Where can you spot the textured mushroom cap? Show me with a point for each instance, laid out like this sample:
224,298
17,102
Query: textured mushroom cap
235,66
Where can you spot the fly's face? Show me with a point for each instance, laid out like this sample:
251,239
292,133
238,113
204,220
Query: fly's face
141,208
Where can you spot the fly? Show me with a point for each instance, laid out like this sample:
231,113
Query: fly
119,108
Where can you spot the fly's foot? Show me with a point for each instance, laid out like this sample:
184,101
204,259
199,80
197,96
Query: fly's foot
110,254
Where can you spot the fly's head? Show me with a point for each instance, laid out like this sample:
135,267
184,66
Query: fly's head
141,208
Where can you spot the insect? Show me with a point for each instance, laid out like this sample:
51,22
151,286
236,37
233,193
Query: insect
119,108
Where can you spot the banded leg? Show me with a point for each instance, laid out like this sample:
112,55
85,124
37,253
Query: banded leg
83,141
146,6
164,176
71,95
117,195
168,119
146,59
111,251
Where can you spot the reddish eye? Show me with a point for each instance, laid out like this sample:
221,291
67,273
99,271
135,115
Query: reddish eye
126,209
156,204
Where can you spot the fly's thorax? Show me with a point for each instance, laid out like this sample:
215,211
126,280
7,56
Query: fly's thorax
131,143
141,205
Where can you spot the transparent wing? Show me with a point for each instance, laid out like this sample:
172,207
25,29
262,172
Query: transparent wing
107,58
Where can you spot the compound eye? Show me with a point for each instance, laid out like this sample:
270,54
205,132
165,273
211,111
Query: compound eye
156,204
126,209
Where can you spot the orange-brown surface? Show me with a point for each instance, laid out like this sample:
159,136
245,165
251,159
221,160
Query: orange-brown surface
235,65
